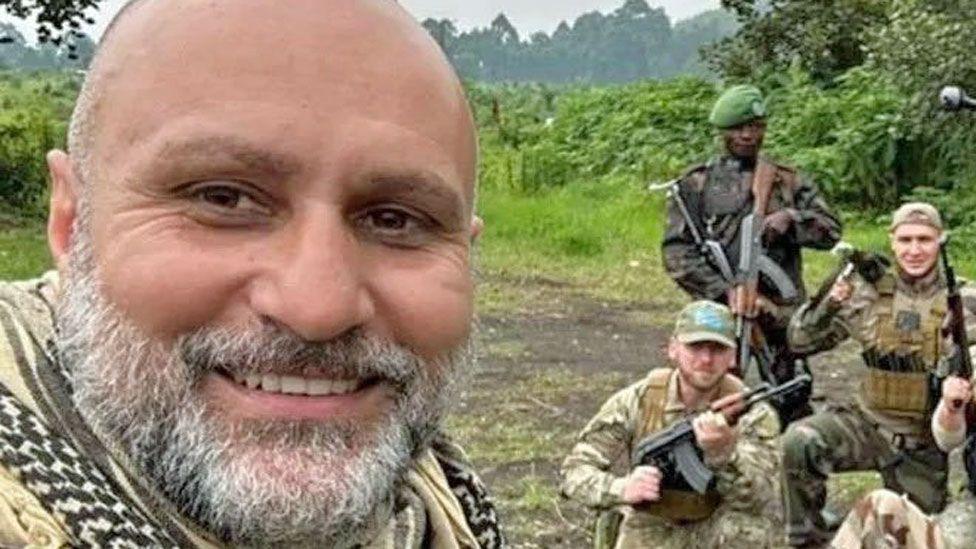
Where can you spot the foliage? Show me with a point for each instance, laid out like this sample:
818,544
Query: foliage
850,137
534,137
633,42
869,72
926,45
33,119
825,36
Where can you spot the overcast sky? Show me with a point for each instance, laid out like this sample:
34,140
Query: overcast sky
528,16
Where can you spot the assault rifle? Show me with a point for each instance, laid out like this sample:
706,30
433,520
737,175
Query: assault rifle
753,264
714,253
962,363
674,452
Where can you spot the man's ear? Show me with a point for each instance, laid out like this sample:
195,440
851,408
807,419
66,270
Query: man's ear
63,208
477,226
673,349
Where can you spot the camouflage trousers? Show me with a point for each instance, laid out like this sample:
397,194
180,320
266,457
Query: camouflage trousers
884,520
726,529
844,439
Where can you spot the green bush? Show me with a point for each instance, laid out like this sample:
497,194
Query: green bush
34,110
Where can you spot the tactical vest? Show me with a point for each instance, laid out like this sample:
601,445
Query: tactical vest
729,197
905,352
676,505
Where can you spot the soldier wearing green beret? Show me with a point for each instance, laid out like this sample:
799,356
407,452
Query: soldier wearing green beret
717,196
741,510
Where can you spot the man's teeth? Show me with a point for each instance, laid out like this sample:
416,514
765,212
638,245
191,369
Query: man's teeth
295,385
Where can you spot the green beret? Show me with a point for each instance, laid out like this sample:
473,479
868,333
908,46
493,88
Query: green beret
738,105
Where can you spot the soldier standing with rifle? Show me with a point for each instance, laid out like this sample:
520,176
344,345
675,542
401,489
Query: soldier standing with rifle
737,504
899,319
743,210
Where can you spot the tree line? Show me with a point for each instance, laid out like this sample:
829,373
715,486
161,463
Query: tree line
73,52
630,43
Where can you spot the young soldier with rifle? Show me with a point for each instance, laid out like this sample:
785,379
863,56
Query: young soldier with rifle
899,319
886,519
703,467
736,226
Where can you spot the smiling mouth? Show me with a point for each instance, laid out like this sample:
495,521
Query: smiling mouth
298,385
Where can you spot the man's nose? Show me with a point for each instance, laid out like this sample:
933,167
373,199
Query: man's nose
314,281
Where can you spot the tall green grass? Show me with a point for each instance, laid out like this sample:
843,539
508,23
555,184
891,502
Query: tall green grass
23,253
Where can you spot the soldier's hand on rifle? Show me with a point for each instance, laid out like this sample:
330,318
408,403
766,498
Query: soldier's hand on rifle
841,291
643,484
748,303
715,437
956,392
743,301
778,223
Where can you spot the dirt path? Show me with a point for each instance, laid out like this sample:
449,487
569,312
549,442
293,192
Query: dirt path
545,372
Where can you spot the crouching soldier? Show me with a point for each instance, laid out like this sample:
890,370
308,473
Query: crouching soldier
898,320
741,506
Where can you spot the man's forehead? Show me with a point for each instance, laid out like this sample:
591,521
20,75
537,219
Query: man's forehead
363,48
362,55
909,232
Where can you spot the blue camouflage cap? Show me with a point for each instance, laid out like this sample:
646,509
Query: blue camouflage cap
705,321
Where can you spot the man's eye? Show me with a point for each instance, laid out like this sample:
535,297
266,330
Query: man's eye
223,197
391,220
395,225
226,199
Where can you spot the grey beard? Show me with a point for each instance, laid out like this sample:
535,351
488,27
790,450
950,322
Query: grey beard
248,481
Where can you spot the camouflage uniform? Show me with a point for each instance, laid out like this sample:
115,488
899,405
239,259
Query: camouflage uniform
719,195
885,520
747,509
888,430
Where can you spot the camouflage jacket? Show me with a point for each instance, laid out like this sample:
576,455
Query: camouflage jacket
820,328
749,481
718,195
